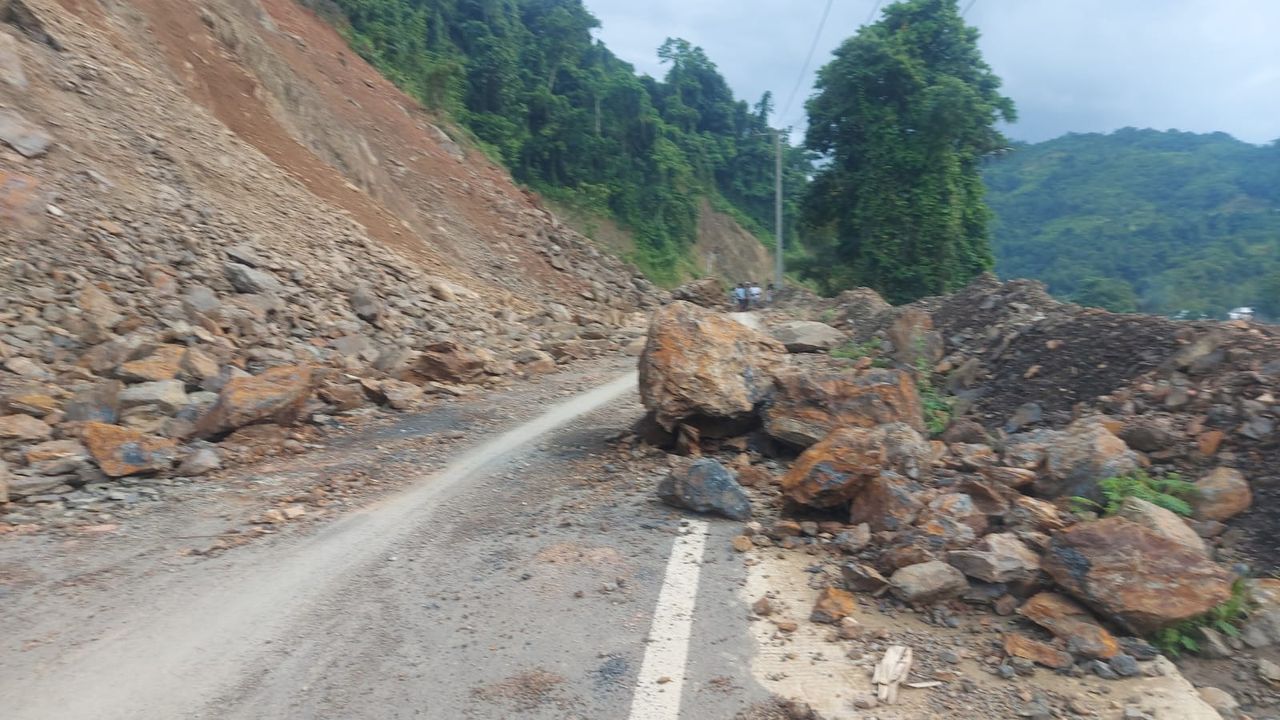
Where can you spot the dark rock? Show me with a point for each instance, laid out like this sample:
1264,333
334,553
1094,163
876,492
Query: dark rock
706,486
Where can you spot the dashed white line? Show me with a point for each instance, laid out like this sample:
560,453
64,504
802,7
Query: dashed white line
662,673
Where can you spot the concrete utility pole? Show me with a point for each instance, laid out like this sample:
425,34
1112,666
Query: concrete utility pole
777,209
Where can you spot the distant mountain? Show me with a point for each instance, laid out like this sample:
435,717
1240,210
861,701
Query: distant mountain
1141,219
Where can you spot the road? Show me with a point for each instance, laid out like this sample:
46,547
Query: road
492,587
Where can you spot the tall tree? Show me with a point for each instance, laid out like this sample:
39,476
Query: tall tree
904,115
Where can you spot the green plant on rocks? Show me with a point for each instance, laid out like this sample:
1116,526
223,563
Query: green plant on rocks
937,407
1168,491
1225,618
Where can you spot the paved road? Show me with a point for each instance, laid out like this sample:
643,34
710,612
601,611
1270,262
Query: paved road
495,588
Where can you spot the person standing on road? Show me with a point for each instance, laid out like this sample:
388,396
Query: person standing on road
756,294
768,294
740,295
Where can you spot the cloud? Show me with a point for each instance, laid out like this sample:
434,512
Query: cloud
1069,65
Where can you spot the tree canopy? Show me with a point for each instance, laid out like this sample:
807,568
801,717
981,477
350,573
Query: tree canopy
578,124
903,117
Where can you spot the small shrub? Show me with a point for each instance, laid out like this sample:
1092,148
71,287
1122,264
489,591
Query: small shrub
1169,491
937,407
1225,618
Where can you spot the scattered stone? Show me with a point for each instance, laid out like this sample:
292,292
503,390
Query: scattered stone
277,395
862,578
833,605
21,135
250,280
1140,579
1078,457
888,503
1219,700
1268,671
1072,624
928,582
706,486
120,451
1021,646
742,543
835,470
1221,495
169,396
22,428
997,558
447,361
854,539
1125,665
762,607
200,462
1162,522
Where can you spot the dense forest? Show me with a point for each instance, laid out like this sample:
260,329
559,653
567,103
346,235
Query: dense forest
573,121
1165,222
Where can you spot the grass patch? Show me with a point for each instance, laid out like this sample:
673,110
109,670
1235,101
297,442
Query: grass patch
1169,491
1225,618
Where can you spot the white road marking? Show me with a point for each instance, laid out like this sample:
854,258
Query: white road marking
667,652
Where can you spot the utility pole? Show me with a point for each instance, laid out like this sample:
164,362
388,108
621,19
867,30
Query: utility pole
777,210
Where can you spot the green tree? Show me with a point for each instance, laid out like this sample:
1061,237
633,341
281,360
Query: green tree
903,116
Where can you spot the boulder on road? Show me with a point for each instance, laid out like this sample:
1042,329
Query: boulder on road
706,486
276,396
120,451
1221,495
835,470
928,582
807,336
808,405
707,292
705,369
1135,576
833,605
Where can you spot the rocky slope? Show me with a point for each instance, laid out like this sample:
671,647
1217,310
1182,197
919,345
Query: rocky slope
219,216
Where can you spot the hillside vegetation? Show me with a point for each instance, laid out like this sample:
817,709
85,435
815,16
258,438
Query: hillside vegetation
573,121
1142,220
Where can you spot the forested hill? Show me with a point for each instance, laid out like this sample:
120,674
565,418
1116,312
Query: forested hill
1142,219
573,121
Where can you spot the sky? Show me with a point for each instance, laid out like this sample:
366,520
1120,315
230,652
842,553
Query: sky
1069,65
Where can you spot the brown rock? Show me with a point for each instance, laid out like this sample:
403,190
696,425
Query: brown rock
1037,515
400,395
997,558
705,369
22,428
55,450
833,605
163,364
1078,457
275,396
21,202
344,397
762,607
1209,441
914,339
36,404
1011,477
1021,646
447,361
1221,495
889,501
120,451
807,336
809,405
1135,576
1072,624
742,543
835,470
195,367
862,578
98,308
97,403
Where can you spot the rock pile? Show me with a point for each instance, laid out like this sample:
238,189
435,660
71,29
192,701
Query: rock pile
1014,514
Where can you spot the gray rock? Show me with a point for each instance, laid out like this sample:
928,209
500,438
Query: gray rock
706,486
1125,665
21,135
245,255
167,395
10,64
249,280
200,462
928,582
366,304
805,336
852,540
98,403
1026,414
997,558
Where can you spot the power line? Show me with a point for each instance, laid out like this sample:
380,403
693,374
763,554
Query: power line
872,15
967,8
808,59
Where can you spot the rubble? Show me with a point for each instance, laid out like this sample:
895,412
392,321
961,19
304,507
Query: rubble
706,486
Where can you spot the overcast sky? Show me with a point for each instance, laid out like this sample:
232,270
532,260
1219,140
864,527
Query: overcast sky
1069,65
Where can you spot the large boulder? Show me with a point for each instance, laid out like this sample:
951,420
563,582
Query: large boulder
447,361
1135,576
1221,495
1072,624
120,451
705,369
807,405
275,396
914,339
806,336
706,486
835,470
